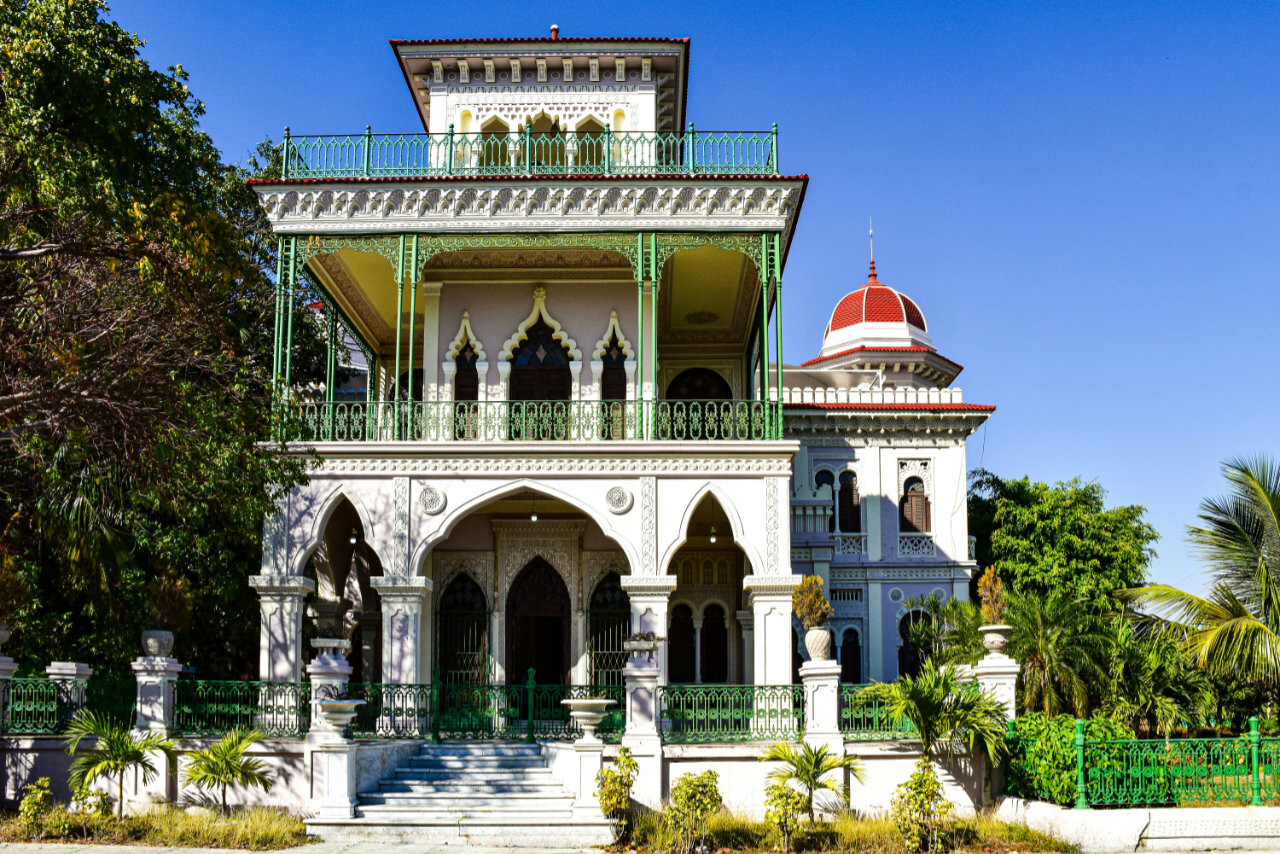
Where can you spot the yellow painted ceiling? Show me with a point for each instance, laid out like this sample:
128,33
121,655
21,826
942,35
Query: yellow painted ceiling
704,290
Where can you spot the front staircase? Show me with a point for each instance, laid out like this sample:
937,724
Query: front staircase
486,793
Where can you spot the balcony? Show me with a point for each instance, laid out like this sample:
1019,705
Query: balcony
916,545
851,544
523,154
535,421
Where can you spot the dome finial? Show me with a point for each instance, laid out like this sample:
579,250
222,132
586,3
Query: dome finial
871,236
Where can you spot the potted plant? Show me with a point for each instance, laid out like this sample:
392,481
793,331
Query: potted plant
638,642
814,612
171,598
995,634
332,641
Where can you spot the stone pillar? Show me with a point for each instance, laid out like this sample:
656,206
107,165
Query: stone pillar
645,674
328,673
821,681
331,769
747,621
71,677
697,652
430,342
771,607
7,668
822,567
874,640
280,599
997,674
406,622
156,677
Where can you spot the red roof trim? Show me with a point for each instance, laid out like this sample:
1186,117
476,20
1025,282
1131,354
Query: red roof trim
545,40
895,407
387,179
915,348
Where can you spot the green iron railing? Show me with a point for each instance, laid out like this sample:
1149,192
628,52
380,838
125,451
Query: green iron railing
606,152
443,711
38,705
863,716
690,714
535,421
1152,772
278,709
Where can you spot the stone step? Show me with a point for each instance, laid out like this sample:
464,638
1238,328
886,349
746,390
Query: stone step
464,765
465,787
477,774
468,803
533,830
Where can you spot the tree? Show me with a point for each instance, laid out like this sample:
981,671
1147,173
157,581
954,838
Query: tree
811,768
1062,647
115,752
949,714
946,632
1233,632
135,312
225,764
1044,538
1152,686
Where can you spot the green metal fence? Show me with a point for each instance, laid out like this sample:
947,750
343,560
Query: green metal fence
606,152
690,714
443,712
38,705
279,709
1149,772
535,421
863,716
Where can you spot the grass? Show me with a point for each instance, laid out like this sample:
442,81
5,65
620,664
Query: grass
254,829
849,834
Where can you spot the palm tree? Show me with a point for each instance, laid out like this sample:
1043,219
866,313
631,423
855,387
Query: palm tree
1152,685
224,764
810,766
116,751
948,713
1234,631
1059,644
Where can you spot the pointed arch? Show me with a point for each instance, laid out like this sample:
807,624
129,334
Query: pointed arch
320,522
730,510
611,331
465,334
539,313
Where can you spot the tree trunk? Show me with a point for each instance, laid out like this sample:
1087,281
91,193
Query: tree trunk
120,803
224,798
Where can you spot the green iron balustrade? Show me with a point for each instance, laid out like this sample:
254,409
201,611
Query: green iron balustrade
606,152
39,706
863,716
690,714
533,421
278,709
391,711
1269,768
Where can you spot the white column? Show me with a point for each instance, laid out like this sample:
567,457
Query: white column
821,681
330,761
430,340
884,503
156,677
280,600
645,673
575,381
581,671
822,567
771,607
650,355
746,619
406,620
445,390
874,640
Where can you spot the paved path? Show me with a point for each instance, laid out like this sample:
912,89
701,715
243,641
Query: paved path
317,848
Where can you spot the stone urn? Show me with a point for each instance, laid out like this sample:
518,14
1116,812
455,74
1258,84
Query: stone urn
4,634
818,641
330,649
588,712
641,647
995,637
157,643
336,713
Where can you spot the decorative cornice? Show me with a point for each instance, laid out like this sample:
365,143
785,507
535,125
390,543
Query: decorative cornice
771,585
742,204
289,585
777,465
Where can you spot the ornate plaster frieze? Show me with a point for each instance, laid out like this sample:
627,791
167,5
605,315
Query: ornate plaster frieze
597,564
558,543
613,330
530,206
400,528
772,525
511,466
922,469
539,312
465,334
870,427
648,525
908,573
448,565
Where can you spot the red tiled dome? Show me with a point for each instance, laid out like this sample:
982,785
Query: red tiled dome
875,302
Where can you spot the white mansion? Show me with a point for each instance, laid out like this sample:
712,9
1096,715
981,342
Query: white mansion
577,426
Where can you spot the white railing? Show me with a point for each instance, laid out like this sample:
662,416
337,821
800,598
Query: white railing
851,544
916,545
811,518
872,396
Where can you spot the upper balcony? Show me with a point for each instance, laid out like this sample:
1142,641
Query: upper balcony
526,153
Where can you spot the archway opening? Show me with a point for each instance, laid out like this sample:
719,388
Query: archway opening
540,366
851,657
589,146
462,633
910,656
493,146
538,626
681,661
608,625
714,650
699,384
344,604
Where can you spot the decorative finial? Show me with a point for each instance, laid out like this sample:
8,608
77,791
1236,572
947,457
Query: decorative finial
555,32
871,235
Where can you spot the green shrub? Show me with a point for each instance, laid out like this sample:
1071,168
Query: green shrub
820,837
613,788
34,810
783,806
255,829
736,832
811,608
225,764
86,801
695,798
1042,763
919,807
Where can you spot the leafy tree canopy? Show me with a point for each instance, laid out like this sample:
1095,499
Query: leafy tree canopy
1060,538
135,314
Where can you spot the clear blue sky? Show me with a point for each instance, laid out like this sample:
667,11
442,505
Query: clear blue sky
1083,198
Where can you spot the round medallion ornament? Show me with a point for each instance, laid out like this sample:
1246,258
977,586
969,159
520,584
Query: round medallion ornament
618,499
431,501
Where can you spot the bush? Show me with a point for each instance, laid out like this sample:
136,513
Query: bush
224,764
256,829
1042,763
695,798
783,806
34,810
613,788
85,801
919,807
811,608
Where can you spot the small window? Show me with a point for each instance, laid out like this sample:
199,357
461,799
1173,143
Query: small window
848,504
915,508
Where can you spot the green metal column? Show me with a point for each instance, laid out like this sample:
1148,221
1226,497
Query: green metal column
763,332
413,303
277,342
291,279
1255,778
653,326
1082,793
331,356
399,314
640,405
777,321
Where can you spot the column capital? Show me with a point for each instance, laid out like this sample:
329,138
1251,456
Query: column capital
70,671
403,589
771,585
286,585
649,585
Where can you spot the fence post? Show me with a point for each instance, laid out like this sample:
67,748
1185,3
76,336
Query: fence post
7,668
689,165
821,680
526,136
1255,778
773,148
284,158
368,149
435,706
449,165
529,686
1082,795
608,150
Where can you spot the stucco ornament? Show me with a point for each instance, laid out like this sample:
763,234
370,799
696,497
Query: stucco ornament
432,501
619,499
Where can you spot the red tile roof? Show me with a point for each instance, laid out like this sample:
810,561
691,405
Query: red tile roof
876,302
914,348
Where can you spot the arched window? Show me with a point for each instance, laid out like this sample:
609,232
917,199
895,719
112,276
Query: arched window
680,651
466,390
540,366
851,657
613,389
849,504
462,633
914,508
910,656
699,384
715,646
493,146
546,147
826,478
588,155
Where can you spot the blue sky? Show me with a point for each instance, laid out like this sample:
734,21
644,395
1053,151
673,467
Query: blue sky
1082,198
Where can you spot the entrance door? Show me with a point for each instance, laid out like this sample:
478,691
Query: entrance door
538,626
